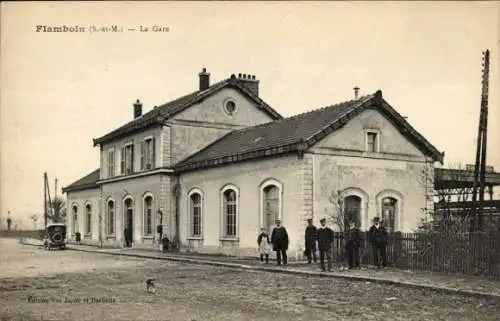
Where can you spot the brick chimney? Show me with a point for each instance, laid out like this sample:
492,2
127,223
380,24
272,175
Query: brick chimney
356,92
249,82
137,109
204,79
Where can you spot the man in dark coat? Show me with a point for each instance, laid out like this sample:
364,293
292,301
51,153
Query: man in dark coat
311,236
279,239
353,243
378,238
325,240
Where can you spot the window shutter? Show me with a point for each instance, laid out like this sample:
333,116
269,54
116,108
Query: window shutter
142,154
153,153
122,160
105,164
132,158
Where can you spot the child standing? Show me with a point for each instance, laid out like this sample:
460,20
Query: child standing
264,242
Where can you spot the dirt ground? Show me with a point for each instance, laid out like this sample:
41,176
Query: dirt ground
67,285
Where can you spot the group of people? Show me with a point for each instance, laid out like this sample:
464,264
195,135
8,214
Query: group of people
321,239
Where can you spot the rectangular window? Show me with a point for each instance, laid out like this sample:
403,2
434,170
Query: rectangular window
371,143
148,154
122,160
111,163
127,159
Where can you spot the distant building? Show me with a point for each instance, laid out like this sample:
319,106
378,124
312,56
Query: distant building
220,162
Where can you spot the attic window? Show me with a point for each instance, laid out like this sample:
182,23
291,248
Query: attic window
230,107
372,138
257,139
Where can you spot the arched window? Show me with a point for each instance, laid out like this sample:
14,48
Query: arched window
75,219
230,212
352,210
88,225
195,212
271,205
111,217
389,206
148,215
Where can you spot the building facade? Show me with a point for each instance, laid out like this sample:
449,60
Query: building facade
214,166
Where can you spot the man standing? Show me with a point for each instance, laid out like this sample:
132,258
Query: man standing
353,243
325,240
311,236
378,239
279,238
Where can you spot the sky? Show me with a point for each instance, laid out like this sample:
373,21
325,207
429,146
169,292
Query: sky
60,90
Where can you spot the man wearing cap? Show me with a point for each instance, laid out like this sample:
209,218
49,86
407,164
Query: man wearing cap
353,243
279,239
311,235
325,240
378,239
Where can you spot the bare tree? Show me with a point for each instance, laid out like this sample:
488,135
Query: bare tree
34,218
335,212
447,210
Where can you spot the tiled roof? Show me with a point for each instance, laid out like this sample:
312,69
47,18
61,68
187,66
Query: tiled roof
159,114
296,133
87,182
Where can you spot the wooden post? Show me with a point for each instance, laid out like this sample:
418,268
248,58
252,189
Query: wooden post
480,165
45,214
48,192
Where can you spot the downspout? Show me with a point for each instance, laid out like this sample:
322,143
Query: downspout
100,217
176,193
100,201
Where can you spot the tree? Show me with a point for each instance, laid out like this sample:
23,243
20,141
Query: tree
335,212
57,213
9,223
34,218
447,210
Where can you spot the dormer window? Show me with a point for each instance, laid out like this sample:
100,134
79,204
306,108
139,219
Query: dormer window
148,153
372,141
127,159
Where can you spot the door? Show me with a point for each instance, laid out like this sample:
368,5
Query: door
129,223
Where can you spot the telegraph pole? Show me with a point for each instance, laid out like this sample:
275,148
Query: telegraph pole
45,198
481,147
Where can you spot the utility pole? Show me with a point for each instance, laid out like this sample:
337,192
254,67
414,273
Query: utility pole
481,147
45,198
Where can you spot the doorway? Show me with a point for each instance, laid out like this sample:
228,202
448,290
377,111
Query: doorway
129,223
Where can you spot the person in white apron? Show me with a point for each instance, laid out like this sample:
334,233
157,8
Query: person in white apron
264,244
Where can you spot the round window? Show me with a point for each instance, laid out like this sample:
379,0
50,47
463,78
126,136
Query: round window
230,107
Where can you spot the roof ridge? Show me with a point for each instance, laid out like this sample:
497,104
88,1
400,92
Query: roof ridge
362,98
331,106
190,94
